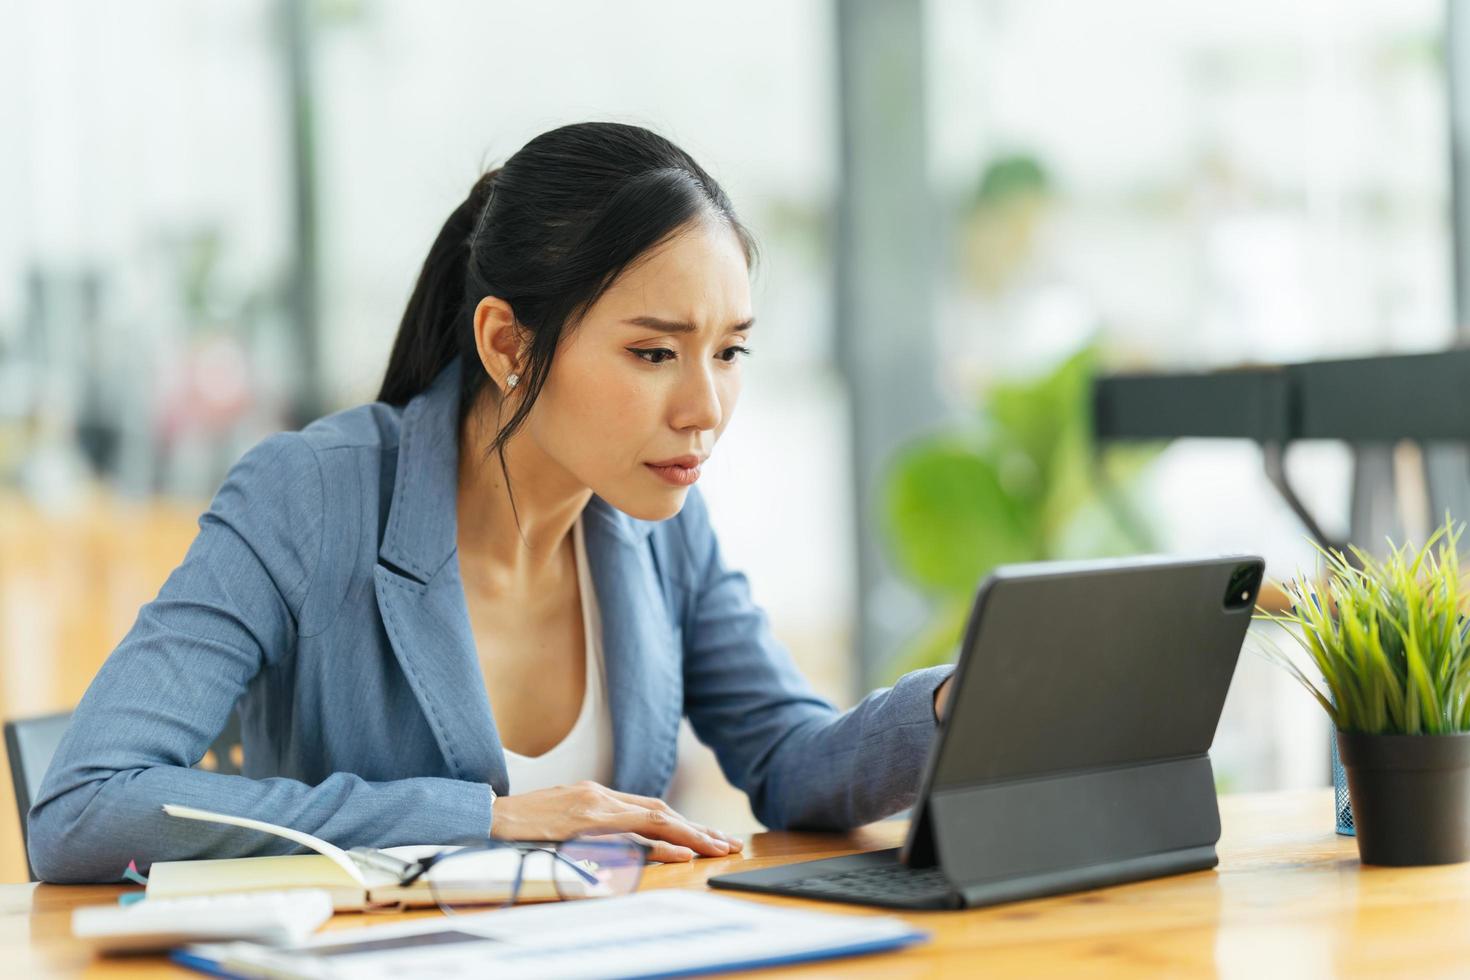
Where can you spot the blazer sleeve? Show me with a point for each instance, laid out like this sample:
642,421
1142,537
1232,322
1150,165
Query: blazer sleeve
803,763
164,694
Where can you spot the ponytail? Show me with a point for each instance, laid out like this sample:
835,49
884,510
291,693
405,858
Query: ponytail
432,332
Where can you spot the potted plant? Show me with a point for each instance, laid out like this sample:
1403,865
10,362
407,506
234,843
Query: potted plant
1389,638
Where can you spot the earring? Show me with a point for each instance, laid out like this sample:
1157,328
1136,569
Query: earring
512,380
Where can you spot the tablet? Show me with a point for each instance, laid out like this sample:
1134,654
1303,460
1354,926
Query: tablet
1075,749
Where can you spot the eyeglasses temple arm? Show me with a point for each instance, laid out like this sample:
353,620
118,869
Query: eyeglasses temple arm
587,876
380,861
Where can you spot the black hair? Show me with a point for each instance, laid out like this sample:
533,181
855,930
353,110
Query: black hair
548,232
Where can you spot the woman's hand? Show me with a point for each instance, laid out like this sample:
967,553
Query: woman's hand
941,698
562,812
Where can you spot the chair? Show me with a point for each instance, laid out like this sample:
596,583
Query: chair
31,742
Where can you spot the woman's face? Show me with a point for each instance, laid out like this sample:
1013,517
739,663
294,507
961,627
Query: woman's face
651,374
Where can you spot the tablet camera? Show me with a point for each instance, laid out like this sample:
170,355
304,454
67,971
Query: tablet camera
1245,582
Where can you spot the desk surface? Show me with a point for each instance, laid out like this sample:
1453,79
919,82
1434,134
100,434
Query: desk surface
1289,898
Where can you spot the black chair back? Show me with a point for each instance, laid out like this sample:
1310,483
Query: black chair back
31,742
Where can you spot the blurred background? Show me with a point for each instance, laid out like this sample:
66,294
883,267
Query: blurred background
211,216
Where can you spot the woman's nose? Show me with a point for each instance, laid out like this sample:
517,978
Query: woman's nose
698,405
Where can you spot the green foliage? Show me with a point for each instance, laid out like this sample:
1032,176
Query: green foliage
1008,177
1020,488
1388,637
949,515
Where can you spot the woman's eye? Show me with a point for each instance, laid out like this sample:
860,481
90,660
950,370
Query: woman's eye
657,355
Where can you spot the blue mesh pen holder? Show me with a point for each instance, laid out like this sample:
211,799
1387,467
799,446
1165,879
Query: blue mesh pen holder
1342,805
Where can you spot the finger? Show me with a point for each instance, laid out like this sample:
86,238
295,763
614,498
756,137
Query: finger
647,802
654,803
667,853
731,839
659,850
735,842
662,825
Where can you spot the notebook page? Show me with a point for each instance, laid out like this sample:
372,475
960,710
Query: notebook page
335,854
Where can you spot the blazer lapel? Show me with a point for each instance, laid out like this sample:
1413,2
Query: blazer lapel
420,594
640,648
430,634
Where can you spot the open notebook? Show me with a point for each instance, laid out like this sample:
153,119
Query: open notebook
354,878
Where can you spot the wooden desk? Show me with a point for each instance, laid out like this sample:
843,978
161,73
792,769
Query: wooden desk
1288,899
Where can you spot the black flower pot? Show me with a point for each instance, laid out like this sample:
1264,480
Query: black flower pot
1410,796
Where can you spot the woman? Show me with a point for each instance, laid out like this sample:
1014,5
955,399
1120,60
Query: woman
481,604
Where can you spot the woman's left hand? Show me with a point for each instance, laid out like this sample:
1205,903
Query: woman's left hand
941,697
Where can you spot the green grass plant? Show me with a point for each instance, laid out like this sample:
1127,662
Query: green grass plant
1388,636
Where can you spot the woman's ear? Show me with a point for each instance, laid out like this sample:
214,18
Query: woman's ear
500,341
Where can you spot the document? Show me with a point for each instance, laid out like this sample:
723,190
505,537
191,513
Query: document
657,933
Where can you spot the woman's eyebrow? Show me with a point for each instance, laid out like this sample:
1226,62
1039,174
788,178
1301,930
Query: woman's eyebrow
681,326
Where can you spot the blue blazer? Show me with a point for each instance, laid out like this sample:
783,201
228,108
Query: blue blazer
322,596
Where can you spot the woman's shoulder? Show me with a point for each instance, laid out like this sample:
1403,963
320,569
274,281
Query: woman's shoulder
686,541
374,426
302,500
285,466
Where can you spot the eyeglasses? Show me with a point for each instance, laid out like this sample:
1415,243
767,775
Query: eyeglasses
493,873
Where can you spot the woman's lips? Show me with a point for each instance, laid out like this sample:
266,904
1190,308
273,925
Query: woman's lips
688,459
677,474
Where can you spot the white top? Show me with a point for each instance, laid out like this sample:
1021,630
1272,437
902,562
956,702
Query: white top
587,750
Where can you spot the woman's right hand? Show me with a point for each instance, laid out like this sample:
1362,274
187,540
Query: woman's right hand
562,812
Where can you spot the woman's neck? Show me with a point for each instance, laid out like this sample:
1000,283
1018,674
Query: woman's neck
493,551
